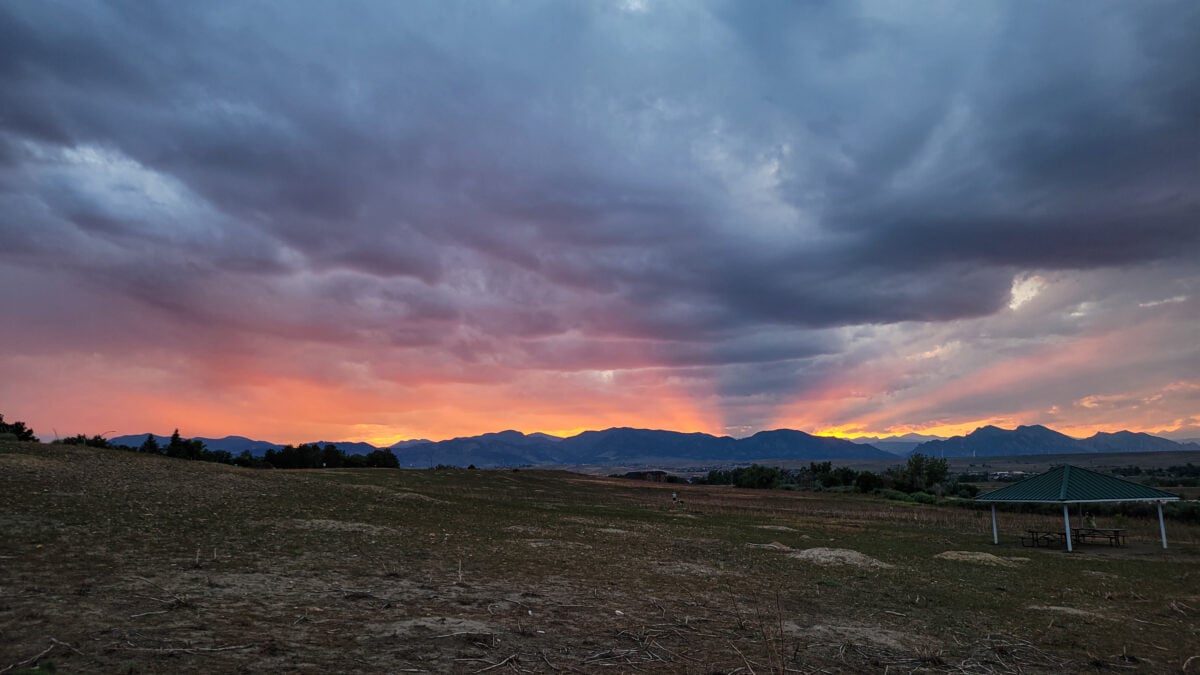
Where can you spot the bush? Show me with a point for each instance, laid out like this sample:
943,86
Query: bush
964,490
96,441
1186,512
18,429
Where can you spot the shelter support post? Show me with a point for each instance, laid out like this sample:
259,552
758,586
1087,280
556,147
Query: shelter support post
1162,528
1067,526
995,532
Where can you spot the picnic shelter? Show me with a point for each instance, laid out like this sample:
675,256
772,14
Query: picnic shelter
1068,485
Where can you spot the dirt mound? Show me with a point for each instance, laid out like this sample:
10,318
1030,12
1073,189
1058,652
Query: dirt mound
981,558
825,556
838,556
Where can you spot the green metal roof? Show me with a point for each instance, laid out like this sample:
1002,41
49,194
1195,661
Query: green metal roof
1068,484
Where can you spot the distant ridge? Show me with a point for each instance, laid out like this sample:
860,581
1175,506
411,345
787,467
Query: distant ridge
625,445
991,441
234,444
897,445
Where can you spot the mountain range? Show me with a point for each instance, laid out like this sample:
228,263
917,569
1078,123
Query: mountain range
993,441
897,445
624,445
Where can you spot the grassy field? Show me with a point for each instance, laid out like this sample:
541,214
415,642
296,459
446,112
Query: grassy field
116,562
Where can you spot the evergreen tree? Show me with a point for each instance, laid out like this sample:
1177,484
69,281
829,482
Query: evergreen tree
150,445
185,448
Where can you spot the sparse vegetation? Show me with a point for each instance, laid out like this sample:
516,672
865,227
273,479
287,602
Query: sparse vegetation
96,441
120,561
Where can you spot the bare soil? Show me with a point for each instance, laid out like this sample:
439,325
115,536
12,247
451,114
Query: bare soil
118,562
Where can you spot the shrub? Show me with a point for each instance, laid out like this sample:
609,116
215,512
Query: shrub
965,490
96,441
18,430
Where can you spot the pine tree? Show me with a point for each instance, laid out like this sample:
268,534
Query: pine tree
150,445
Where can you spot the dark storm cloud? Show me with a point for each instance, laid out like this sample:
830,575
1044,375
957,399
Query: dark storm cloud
685,174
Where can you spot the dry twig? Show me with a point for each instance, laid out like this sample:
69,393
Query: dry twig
744,659
497,665
34,659
187,650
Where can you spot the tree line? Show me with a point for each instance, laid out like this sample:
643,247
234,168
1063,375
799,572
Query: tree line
921,474
303,456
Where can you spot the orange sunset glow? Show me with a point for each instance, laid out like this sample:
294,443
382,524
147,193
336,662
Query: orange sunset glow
607,215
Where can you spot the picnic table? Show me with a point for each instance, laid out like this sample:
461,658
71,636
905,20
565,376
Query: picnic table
1042,538
1114,536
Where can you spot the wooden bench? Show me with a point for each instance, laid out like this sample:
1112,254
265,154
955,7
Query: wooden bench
1042,538
1114,536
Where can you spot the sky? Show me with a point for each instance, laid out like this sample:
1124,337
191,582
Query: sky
375,221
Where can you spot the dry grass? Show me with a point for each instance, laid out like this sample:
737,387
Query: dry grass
114,562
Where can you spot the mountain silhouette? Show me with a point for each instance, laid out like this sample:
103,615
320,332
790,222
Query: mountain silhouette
625,445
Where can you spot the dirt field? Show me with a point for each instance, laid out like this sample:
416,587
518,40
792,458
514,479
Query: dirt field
116,562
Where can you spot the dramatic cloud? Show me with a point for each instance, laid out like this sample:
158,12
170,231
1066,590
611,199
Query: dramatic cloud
379,220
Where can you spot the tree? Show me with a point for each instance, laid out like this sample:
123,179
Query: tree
843,475
18,430
921,473
383,458
758,477
331,457
820,473
150,445
247,459
867,481
184,448
175,445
